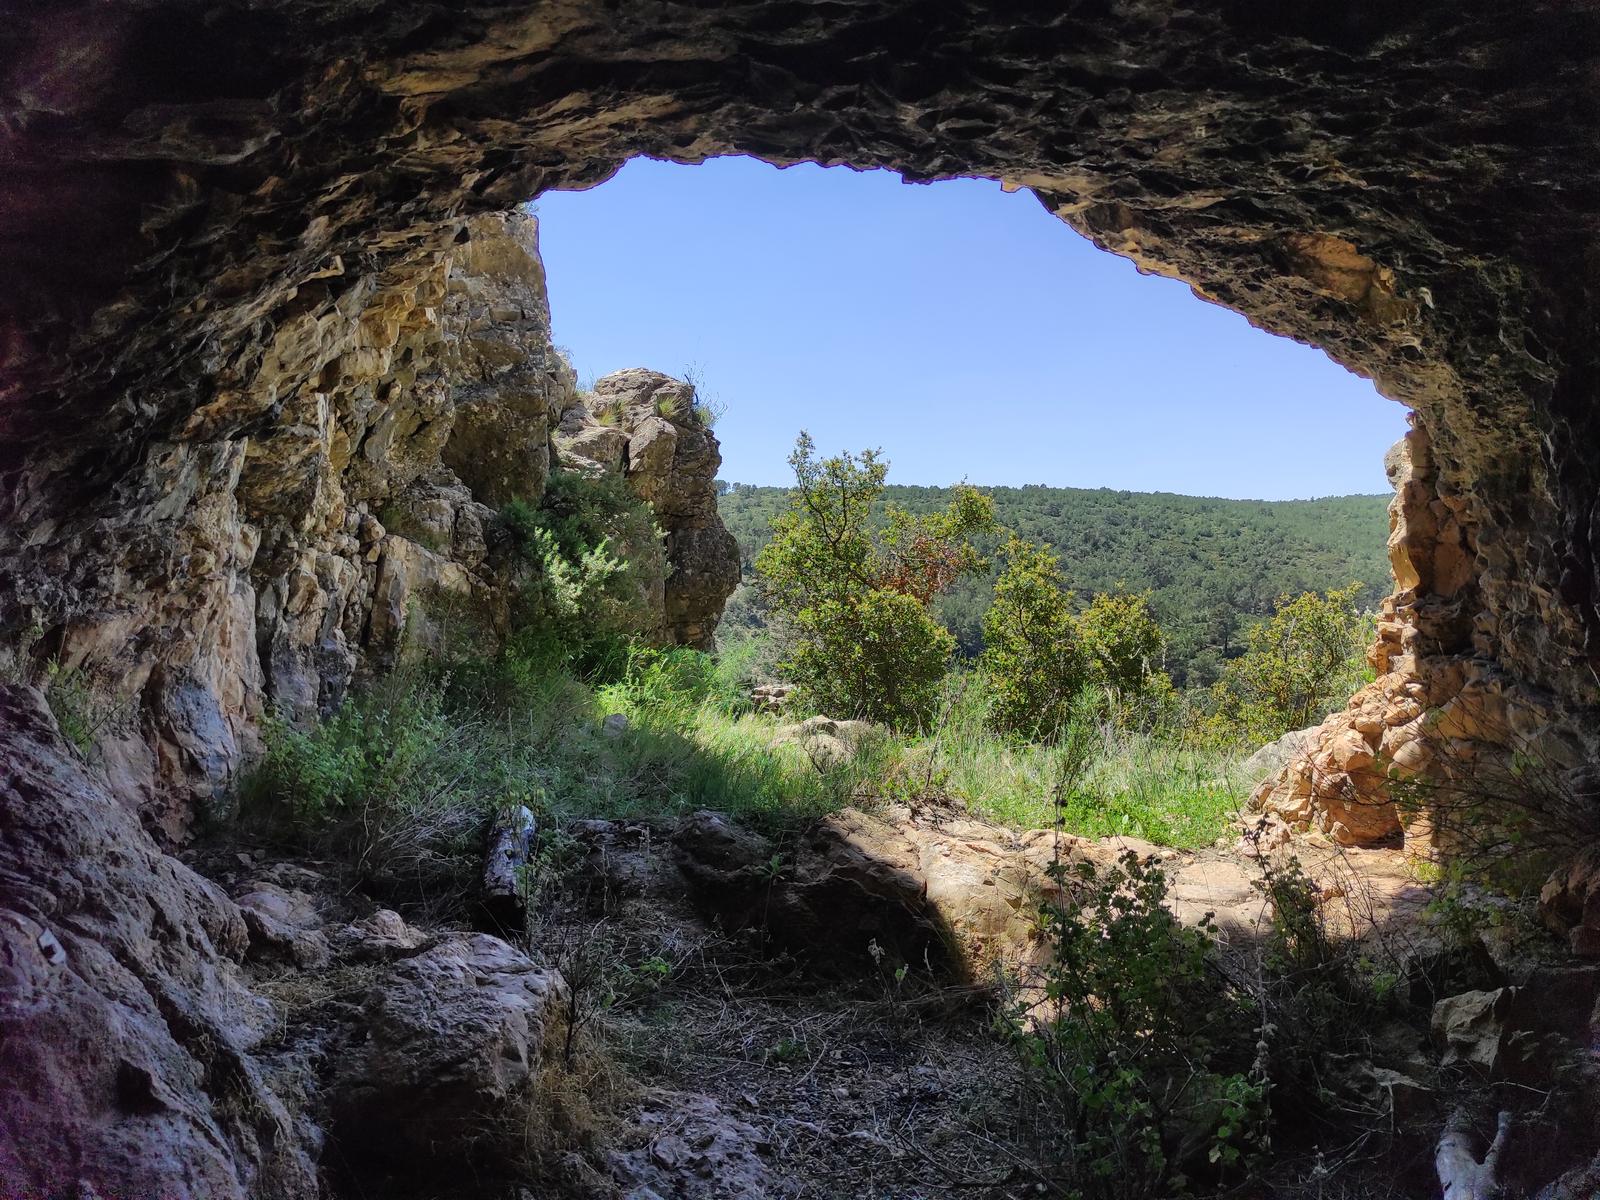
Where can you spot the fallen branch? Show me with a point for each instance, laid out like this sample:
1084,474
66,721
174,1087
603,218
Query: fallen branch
501,898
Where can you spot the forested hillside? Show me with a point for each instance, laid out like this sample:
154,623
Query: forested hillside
1213,566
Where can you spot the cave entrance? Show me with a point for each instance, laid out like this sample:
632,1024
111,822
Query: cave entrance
964,331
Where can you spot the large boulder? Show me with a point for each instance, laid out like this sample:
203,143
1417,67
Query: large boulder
451,1042
128,1046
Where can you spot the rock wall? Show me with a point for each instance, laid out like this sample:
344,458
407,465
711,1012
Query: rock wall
1445,739
347,518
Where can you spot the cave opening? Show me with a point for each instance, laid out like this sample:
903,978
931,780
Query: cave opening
962,330
248,425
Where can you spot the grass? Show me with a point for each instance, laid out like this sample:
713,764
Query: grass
404,777
1140,784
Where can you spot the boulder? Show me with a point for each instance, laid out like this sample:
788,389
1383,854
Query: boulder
453,1038
128,1046
283,924
951,896
828,742
1570,902
649,428
382,937
1278,754
1471,1028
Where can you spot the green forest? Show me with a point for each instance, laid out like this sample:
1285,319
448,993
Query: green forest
1213,567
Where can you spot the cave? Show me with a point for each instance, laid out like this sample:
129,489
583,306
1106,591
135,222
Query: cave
224,225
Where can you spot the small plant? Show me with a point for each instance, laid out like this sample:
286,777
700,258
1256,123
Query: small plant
785,1050
81,712
706,409
1135,1043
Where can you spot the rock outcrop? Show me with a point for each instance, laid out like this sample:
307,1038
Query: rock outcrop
129,1047
353,525
1440,743
652,430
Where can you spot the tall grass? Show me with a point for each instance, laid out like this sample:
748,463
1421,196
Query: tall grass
403,778
1137,783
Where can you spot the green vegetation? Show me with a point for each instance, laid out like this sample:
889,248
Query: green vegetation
590,553
1212,567
1299,663
1040,654
404,775
853,586
1140,1052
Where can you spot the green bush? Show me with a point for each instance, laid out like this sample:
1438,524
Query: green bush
394,778
1140,1056
879,656
593,557
1033,656
1302,663
851,587
1041,656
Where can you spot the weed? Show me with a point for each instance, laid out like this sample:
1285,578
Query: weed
82,713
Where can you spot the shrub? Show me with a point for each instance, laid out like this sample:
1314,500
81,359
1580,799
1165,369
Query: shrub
1122,645
1032,656
594,560
851,588
1136,1050
1302,662
393,779
879,656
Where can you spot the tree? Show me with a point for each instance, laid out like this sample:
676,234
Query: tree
1032,657
1301,662
1122,644
852,588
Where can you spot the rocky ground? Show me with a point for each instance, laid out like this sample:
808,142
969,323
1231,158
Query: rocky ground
697,1010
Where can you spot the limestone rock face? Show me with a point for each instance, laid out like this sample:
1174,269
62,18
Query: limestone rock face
1446,733
646,427
350,526
128,1047
505,374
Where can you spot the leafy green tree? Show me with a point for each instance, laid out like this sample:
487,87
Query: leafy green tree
1033,657
1301,663
1122,644
852,586
879,654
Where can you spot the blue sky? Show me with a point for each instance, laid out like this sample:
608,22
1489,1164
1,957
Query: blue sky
965,331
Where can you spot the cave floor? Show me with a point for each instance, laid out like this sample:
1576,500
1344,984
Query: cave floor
705,1064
